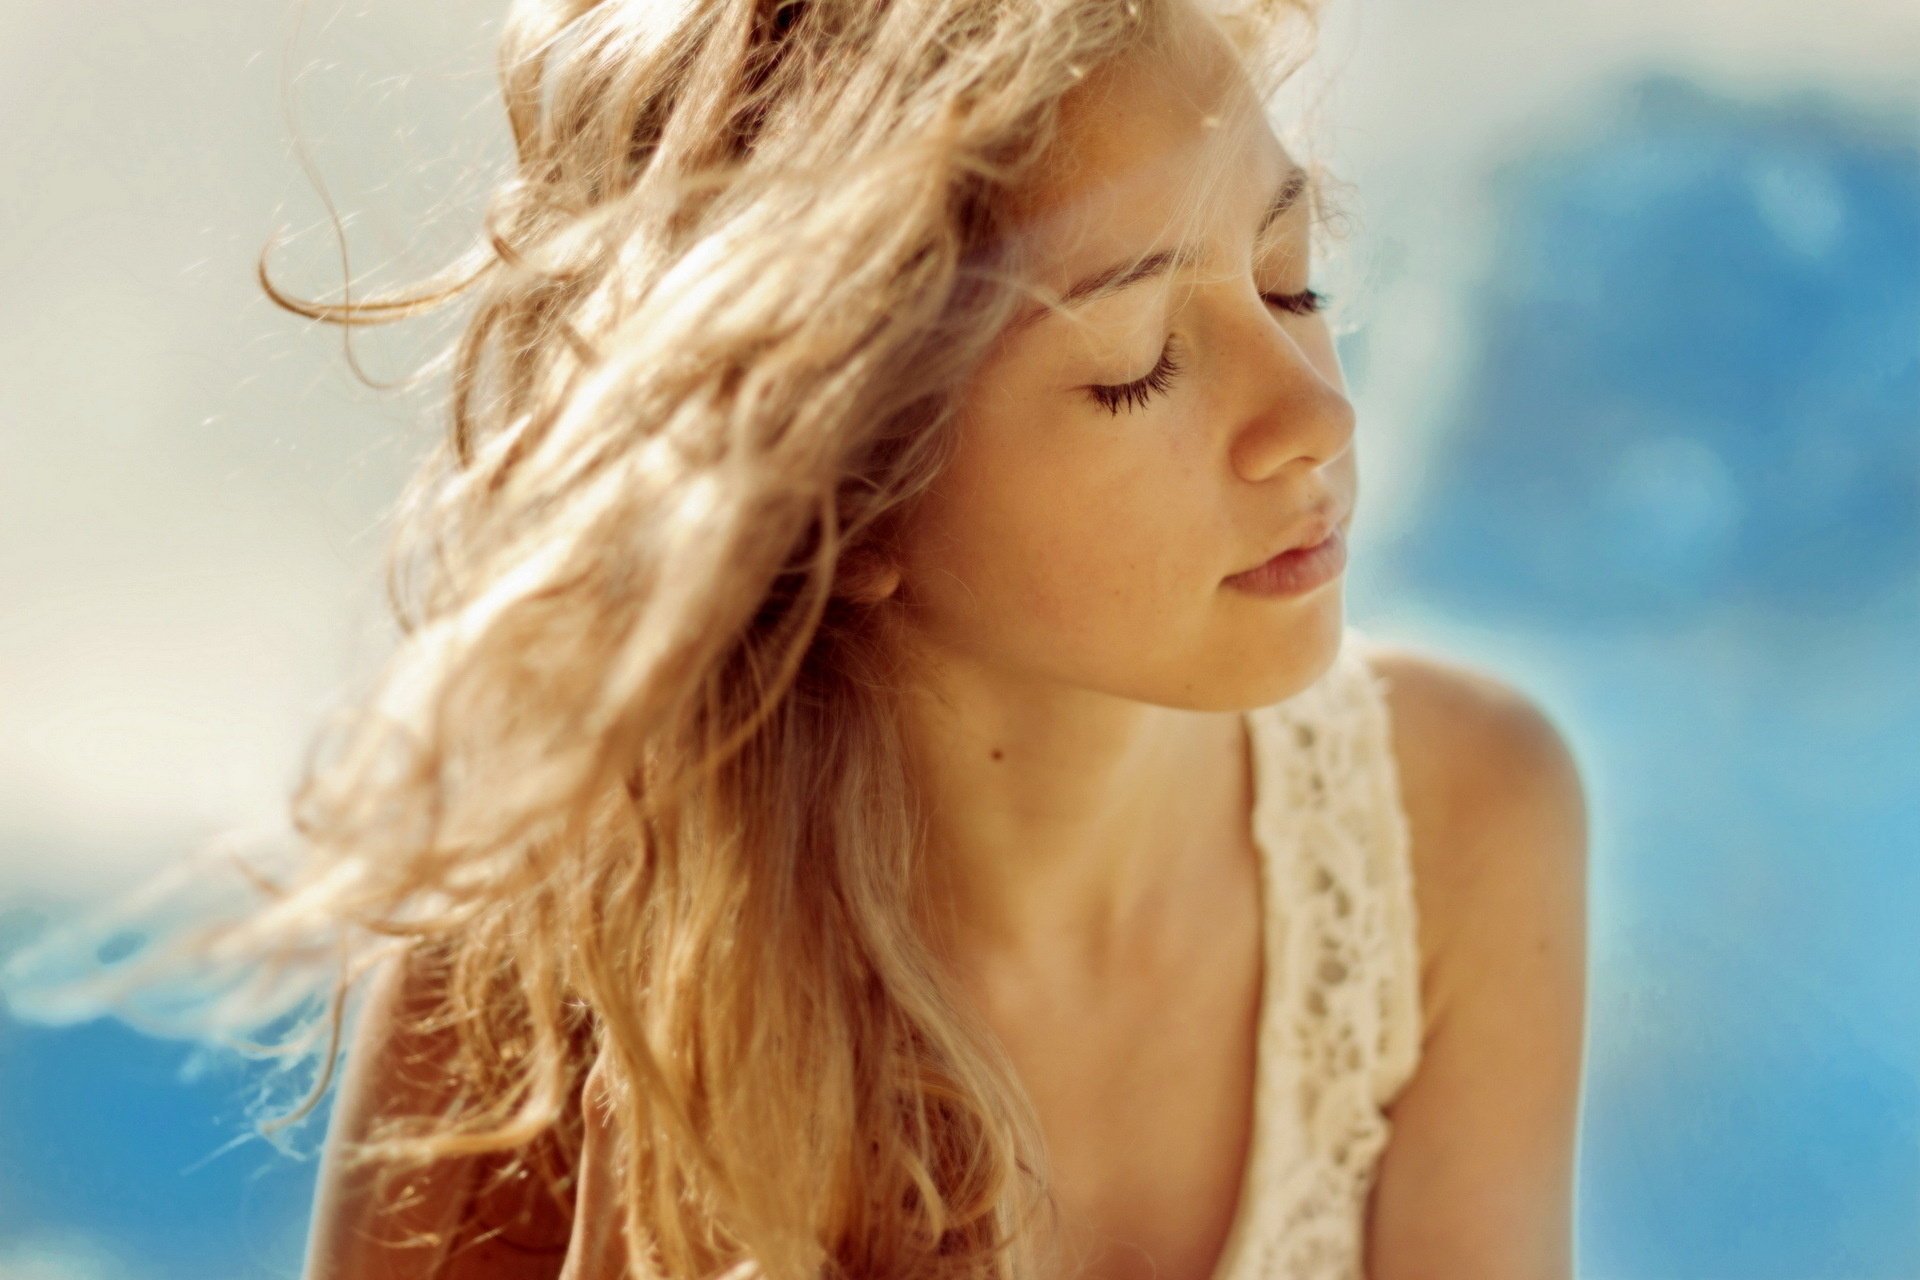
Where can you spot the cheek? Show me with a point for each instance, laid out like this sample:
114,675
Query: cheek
1065,552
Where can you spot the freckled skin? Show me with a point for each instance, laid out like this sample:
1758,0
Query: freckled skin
1066,544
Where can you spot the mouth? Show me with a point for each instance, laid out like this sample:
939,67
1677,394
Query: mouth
1296,571
1313,556
1326,520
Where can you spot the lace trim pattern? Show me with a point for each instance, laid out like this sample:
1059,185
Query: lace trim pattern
1342,1027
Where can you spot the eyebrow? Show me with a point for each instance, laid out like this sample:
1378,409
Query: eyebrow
1119,276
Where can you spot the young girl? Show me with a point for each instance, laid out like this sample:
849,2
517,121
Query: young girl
877,781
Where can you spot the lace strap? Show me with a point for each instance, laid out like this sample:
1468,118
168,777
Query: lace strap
1390,869
1356,963
1342,1030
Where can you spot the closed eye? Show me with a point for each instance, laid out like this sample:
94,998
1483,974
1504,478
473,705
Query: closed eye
1133,394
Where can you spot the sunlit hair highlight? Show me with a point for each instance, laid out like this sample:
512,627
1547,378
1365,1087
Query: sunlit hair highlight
631,791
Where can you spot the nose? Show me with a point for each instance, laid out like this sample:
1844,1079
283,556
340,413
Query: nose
1296,405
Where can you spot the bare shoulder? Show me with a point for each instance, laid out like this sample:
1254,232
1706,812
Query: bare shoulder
1477,1178
1485,772
1463,728
451,1223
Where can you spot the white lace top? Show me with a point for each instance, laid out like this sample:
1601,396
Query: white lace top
1341,1022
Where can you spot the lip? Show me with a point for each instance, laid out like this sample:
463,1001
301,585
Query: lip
1301,567
1326,516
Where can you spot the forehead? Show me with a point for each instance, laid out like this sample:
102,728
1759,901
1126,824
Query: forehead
1145,145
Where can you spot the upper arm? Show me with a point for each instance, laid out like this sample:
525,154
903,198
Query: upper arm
394,1069
1477,1176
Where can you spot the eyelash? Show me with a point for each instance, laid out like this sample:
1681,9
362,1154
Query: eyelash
1141,390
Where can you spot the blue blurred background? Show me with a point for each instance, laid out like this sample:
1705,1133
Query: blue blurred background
1632,309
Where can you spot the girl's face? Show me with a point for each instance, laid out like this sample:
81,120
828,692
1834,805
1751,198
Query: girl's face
1086,536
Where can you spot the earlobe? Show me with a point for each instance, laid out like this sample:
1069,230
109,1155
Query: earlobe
885,583
866,579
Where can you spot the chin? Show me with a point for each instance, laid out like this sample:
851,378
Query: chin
1292,648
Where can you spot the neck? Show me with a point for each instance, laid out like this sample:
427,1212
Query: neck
1061,817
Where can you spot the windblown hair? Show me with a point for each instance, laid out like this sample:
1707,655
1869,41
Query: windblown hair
631,786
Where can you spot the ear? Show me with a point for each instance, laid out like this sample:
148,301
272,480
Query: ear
866,578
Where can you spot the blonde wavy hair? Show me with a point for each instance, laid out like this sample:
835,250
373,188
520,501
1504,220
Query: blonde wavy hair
631,785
